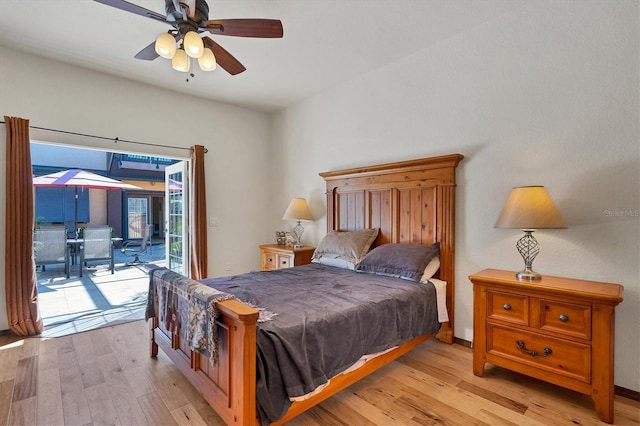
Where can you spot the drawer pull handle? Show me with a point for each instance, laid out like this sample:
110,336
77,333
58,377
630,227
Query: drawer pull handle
547,350
564,318
506,307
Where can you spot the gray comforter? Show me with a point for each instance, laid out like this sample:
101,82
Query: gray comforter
325,319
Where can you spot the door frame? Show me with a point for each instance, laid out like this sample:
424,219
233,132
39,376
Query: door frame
177,218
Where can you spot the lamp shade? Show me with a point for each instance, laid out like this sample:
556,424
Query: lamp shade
297,210
165,45
193,44
207,61
180,61
530,207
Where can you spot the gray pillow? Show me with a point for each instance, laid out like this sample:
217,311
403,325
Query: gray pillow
399,260
348,246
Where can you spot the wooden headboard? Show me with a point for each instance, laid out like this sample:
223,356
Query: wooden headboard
409,201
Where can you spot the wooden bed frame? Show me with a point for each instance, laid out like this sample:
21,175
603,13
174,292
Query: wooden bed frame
410,201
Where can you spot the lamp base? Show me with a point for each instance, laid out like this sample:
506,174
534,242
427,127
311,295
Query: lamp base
528,248
298,230
528,275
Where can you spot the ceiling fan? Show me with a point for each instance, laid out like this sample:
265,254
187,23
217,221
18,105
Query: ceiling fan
190,18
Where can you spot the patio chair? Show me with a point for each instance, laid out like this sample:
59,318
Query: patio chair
72,234
142,249
72,231
96,245
50,247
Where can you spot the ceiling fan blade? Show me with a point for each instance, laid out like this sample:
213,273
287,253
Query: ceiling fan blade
225,59
148,53
260,28
130,7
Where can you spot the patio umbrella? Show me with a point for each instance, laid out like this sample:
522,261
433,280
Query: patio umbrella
80,179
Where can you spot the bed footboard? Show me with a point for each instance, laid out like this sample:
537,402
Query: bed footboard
229,386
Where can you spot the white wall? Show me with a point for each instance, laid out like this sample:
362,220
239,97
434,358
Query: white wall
548,95
59,96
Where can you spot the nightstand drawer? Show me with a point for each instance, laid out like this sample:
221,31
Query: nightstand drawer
277,256
566,318
508,307
269,261
557,356
284,261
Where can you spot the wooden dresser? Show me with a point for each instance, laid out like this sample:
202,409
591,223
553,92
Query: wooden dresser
556,329
275,256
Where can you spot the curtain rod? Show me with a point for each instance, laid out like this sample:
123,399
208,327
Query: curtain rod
115,140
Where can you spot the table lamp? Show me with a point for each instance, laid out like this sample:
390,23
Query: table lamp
298,210
529,208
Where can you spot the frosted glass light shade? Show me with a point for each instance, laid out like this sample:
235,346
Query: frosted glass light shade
207,61
193,44
530,207
180,61
166,45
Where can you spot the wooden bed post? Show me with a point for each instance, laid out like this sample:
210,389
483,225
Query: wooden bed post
242,349
154,346
447,238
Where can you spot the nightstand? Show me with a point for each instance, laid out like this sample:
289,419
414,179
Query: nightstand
559,330
275,256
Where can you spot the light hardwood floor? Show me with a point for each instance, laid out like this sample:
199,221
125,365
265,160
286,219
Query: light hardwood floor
105,377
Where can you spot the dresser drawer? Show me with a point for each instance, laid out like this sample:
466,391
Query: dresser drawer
565,358
508,307
566,318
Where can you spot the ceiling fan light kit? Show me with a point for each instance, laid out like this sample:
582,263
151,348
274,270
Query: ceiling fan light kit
166,45
189,20
193,44
180,61
207,61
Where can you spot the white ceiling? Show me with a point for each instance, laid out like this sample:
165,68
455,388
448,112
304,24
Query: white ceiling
325,42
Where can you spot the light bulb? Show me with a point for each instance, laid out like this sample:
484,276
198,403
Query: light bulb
207,61
180,61
193,44
166,45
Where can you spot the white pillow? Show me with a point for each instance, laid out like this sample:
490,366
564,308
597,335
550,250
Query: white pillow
431,269
335,261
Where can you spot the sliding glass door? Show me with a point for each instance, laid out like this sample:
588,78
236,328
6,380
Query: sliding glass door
137,216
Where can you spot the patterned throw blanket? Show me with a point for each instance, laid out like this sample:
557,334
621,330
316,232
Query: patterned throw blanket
187,308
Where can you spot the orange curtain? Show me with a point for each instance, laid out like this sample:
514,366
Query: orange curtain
20,269
198,215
